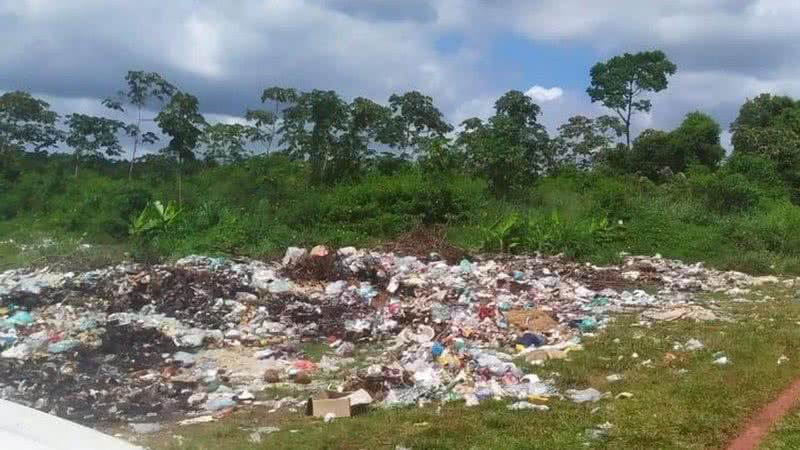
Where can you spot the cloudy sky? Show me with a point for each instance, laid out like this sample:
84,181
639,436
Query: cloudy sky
464,53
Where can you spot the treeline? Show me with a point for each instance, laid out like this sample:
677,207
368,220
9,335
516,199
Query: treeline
340,140
310,166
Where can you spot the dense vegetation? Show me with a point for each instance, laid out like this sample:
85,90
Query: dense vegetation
312,167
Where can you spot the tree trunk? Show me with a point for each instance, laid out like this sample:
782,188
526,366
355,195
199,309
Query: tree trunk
180,184
135,142
628,129
76,168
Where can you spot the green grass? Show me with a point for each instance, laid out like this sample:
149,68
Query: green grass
730,219
786,435
687,403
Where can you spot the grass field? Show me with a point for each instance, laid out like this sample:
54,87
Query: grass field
681,400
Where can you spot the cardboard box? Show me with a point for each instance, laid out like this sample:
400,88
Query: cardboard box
340,407
341,404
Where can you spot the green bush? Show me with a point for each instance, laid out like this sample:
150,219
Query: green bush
726,193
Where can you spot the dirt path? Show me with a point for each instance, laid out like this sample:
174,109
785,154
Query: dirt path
759,425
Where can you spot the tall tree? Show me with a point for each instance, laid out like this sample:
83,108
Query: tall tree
279,96
366,121
143,87
312,127
264,124
415,119
182,122
91,136
620,82
512,148
26,121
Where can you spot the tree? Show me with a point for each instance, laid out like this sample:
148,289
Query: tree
279,96
263,125
90,136
581,138
26,121
512,148
764,111
181,120
223,142
619,83
769,127
695,141
366,121
332,135
143,87
415,118
311,129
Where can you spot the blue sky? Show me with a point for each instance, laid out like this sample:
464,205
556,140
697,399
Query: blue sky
464,53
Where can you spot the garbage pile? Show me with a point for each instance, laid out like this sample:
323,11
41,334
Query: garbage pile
204,335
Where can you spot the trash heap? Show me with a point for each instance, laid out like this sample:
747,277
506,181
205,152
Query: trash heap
205,335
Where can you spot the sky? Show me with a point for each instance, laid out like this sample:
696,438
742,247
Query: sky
463,53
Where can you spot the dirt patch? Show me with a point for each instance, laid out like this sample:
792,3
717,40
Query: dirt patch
316,268
759,425
106,384
597,280
422,241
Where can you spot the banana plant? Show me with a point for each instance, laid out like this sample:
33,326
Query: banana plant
154,216
502,233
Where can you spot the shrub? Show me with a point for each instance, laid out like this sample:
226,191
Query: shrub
726,193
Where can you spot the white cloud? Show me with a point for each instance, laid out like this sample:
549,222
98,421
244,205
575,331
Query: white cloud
543,95
726,50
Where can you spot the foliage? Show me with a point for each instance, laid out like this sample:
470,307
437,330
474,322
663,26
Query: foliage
226,143
512,148
357,172
414,119
332,135
503,234
26,121
154,217
727,193
581,139
619,83
182,121
696,140
92,136
143,88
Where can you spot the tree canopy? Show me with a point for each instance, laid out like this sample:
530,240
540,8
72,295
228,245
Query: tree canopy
620,82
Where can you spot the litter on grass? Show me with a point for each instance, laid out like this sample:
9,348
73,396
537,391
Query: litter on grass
193,340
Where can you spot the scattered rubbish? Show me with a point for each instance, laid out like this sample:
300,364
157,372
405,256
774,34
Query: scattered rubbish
196,420
193,340
720,359
329,407
519,406
532,319
693,345
144,428
694,312
623,396
599,432
782,359
531,339
585,395
257,436
613,378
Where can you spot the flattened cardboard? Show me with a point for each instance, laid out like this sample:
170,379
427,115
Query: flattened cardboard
340,407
